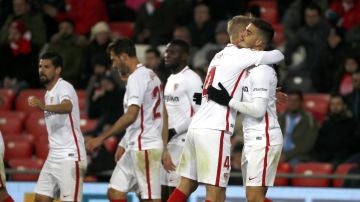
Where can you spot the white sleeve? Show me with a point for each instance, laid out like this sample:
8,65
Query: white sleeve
271,57
122,142
261,78
66,93
136,90
256,108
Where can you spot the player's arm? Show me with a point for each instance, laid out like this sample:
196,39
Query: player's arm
271,57
64,107
254,57
166,158
121,124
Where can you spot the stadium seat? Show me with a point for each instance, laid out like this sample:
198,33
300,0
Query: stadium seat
87,124
16,114
19,137
18,149
283,168
22,164
268,10
35,125
42,148
82,100
317,104
342,169
10,124
111,144
122,29
22,99
279,36
8,97
312,169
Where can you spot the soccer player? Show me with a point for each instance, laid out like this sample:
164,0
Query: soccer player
206,155
4,195
178,96
66,162
262,134
143,120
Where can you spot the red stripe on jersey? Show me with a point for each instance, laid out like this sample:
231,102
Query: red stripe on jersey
141,125
147,167
232,94
218,173
74,135
266,147
77,181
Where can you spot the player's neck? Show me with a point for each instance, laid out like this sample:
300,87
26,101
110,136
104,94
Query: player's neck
133,64
50,85
179,68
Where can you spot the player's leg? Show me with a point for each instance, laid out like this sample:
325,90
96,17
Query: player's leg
123,179
4,195
70,177
213,152
261,167
147,165
46,187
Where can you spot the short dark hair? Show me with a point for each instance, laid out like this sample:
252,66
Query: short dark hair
153,50
314,6
299,93
266,30
55,58
182,44
122,46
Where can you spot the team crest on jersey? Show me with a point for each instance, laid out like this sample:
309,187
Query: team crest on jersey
176,86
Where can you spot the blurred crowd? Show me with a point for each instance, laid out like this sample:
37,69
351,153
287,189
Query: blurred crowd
321,45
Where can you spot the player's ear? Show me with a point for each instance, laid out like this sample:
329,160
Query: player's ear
58,70
258,42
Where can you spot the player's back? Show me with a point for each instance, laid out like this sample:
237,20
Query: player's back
226,67
65,138
261,82
144,90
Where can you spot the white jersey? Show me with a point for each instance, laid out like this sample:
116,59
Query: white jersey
261,82
226,67
144,90
65,137
2,145
178,97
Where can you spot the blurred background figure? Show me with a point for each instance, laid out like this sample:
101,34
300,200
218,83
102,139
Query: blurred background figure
300,130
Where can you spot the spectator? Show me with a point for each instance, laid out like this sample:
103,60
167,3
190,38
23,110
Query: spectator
353,98
202,28
344,13
236,164
33,21
335,141
99,39
313,36
183,33
299,129
70,46
84,14
18,58
153,59
344,83
51,23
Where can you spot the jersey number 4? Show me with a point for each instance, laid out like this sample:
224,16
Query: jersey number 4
156,94
209,80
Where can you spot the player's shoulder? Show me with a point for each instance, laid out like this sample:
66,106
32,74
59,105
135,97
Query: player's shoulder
263,68
65,84
190,75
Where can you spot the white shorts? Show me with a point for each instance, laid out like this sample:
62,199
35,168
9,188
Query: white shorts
259,164
64,179
206,157
172,178
138,170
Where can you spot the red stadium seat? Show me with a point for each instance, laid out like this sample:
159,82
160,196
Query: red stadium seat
122,29
18,149
317,104
22,99
342,169
16,114
111,144
35,125
87,124
42,148
268,10
22,164
82,100
279,36
283,168
10,124
8,97
18,138
312,169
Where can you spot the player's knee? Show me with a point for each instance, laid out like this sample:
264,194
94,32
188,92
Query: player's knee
254,197
114,194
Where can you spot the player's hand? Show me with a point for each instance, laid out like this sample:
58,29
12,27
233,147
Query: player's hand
221,96
167,162
197,98
281,97
93,143
119,152
35,102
